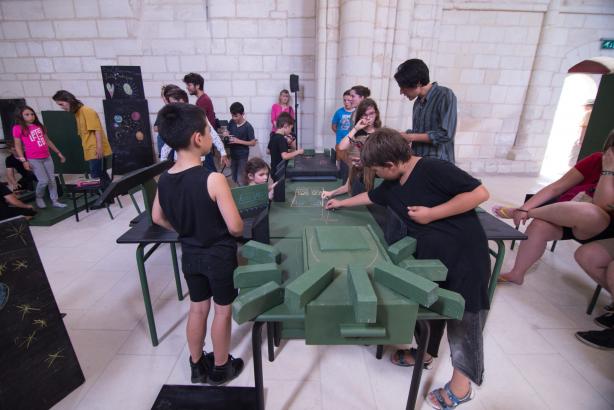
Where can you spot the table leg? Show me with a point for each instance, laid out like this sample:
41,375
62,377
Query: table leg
496,270
422,339
176,271
140,262
257,355
87,206
270,336
379,352
277,334
74,204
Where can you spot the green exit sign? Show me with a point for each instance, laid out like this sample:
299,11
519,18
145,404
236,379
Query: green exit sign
607,43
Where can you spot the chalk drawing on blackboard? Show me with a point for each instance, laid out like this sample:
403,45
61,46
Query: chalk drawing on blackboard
122,82
25,341
26,309
20,264
53,357
40,322
4,295
17,232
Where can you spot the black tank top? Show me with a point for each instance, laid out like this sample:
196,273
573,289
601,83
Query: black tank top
185,200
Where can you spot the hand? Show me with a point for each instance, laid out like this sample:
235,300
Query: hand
225,161
62,158
607,160
232,140
27,166
226,133
99,153
326,194
300,151
333,204
420,214
520,216
362,123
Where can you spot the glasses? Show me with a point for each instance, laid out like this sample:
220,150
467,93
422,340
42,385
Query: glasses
369,114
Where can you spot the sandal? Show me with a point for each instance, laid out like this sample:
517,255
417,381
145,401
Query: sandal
503,212
441,403
402,353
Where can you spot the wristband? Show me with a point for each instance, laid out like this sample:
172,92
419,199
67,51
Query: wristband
22,159
607,172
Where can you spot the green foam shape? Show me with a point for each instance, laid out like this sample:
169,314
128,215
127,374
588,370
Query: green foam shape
431,269
361,330
449,304
308,286
340,238
402,249
309,152
260,252
406,283
257,301
362,295
248,276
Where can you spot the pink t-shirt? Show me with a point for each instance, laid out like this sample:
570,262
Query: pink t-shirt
277,109
33,141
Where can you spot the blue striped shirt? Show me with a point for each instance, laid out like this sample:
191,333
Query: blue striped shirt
435,115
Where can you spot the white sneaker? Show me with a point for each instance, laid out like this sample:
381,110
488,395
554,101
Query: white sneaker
40,203
57,204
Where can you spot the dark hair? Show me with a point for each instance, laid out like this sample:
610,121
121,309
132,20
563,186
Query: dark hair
237,108
385,145
195,79
362,109
284,119
609,141
23,124
72,101
168,87
254,165
176,93
177,123
346,92
412,73
361,90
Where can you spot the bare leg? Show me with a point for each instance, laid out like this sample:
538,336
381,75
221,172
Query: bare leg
597,263
585,219
197,328
220,333
529,251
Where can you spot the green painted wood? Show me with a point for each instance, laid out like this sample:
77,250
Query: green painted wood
361,330
251,196
406,283
307,286
62,130
251,304
431,269
402,249
309,152
249,276
340,238
260,252
450,304
362,295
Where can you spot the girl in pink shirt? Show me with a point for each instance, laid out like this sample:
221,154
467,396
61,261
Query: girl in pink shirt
282,106
32,145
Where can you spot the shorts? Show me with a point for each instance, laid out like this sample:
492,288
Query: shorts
605,234
210,274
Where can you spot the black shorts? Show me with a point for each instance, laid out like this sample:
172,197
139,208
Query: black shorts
210,273
605,234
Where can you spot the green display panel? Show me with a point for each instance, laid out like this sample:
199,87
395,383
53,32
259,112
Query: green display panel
62,130
602,119
251,196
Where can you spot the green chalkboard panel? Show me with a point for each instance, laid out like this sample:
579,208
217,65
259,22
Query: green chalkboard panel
62,130
39,366
8,108
602,120
252,196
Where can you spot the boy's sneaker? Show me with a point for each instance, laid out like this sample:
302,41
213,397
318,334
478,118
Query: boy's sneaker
222,374
606,320
200,369
40,203
57,204
601,339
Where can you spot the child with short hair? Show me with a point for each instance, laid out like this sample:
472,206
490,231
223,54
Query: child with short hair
342,120
281,142
198,204
13,167
257,172
240,136
437,202
32,145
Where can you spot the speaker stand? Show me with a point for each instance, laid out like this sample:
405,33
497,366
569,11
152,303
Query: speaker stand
296,117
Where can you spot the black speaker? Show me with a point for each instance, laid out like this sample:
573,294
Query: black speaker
293,83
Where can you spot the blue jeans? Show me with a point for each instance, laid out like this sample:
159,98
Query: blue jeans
160,144
209,164
98,170
238,170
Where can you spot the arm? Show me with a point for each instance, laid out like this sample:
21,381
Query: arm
12,180
54,148
447,128
333,127
157,215
289,155
20,154
238,141
346,141
411,137
99,152
459,204
571,178
12,200
357,200
343,189
219,191
216,140
604,192
274,115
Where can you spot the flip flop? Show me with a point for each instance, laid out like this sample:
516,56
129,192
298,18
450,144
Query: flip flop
402,353
503,212
441,403
501,279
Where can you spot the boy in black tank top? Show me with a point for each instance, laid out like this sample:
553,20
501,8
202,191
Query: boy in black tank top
198,205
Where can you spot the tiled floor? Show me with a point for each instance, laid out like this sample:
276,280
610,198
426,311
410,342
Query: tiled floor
532,358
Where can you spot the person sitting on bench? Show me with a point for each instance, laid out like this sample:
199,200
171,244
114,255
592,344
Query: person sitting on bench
11,206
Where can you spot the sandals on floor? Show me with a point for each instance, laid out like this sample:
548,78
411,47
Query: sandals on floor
441,403
402,353
503,212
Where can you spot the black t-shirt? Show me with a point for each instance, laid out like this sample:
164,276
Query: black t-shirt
4,191
277,145
243,132
12,162
458,241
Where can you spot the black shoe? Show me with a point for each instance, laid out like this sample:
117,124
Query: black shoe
200,369
609,308
605,321
601,339
225,373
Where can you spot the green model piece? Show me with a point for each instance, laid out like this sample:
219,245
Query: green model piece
257,301
255,275
307,286
362,294
309,152
406,283
431,269
402,249
327,152
450,304
340,238
361,330
260,252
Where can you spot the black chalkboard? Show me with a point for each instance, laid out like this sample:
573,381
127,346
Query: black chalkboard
129,134
122,82
39,366
8,108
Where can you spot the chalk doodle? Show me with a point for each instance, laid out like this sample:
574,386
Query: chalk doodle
17,232
53,357
20,264
312,198
122,82
26,341
26,309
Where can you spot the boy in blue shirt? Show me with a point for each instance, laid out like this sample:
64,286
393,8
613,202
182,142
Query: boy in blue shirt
341,125
240,136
